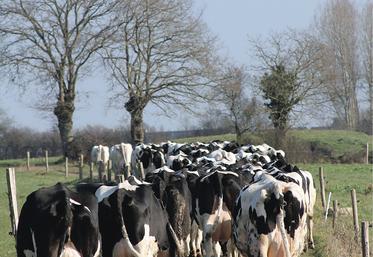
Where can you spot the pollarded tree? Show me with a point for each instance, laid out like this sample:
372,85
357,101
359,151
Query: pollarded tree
161,57
52,44
279,89
289,78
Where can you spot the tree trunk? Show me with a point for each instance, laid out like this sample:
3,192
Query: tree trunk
370,108
64,112
238,137
352,112
280,137
137,126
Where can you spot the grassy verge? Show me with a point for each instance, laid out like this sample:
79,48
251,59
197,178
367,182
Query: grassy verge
340,179
33,162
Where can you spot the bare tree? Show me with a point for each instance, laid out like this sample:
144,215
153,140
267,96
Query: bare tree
337,34
237,107
288,75
367,53
52,44
161,57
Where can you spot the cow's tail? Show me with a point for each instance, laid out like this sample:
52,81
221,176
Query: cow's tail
281,226
176,240
128,243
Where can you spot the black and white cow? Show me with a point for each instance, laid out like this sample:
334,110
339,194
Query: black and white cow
132,221
214,197
304,179
270,218
57,222
179,161
150,156
172,188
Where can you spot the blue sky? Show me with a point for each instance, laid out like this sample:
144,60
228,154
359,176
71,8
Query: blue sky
233,21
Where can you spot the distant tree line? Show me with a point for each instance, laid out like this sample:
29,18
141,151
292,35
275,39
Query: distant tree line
16,141
161,53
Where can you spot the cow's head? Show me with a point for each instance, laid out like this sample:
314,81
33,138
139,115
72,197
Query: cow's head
224,184
146,157
158,158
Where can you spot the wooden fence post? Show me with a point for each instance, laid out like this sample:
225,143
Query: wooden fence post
109,169
81,165
46,161
66,167
367,154
28,161
365,238
327,206
12,194
91,171
322,187
335,212
354,212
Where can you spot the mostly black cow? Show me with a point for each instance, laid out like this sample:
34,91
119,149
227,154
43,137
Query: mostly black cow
57,222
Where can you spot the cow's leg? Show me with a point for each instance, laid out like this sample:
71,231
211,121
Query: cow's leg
163,254
207,244
193,236
199,242
311,243
224,248
216,249
196,236
187,245
263,247
232,251
127,171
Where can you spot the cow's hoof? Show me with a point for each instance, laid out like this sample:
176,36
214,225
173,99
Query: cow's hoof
311,245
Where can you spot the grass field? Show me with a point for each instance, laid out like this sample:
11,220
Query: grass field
340,179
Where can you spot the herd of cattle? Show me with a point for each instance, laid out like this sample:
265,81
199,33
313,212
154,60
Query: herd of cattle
215,199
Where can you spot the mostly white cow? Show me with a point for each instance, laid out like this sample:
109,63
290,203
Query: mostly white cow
120,156
100,153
